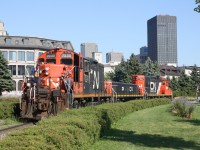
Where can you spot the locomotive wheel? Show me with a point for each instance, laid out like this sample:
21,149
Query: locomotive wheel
75,104
49,110
55,108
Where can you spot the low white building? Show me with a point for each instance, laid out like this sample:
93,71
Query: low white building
110,67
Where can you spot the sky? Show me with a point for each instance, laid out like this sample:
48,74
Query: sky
114,25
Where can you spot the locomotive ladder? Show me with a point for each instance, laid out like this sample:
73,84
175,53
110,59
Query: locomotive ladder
114,95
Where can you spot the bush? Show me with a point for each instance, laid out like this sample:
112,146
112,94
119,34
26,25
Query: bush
181,107
75,129
9,109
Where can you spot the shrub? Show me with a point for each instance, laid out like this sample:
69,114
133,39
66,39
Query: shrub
75,129
181,107
9,109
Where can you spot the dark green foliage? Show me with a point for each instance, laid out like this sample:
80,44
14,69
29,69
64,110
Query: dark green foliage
6,83
134,67
9,109
121,72
195,77
151,67
109,76
186,85
124,71
74,129
197,9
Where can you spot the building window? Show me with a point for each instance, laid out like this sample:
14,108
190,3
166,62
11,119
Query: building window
30,56
25,41
5,54
17,42
21,56
12,69
20,82
8,41
14,85
12,55
21,70
29,70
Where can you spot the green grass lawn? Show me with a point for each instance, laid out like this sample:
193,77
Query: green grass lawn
153,128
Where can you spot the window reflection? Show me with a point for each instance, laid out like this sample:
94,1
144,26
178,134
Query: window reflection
12,55
30,56
12,69
21,70
5,54
29,70
20,85
21,56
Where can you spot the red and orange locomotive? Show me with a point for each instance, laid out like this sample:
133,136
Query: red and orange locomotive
64,79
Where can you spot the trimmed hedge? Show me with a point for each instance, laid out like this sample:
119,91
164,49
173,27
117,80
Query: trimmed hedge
9,109
74,129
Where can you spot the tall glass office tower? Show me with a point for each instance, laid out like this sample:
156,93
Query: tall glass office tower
162,39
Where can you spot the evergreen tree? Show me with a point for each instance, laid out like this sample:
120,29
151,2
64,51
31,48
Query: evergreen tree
6,83
151,67
195,77
173,84
133,67
121,72
109,75
184,83
156,68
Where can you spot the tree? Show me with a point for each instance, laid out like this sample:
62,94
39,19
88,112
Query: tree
109,75
197,9
195,77
174,84
151,67
121,72
6,82
133,67
185,84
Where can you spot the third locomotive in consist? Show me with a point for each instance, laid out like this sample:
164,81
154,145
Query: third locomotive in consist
64,79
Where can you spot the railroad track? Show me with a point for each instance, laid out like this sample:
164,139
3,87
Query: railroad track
4,132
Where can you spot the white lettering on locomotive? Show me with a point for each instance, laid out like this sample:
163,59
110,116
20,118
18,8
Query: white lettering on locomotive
95,79
152,87
122,88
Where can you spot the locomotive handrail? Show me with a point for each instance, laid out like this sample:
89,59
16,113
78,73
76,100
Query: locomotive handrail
114,93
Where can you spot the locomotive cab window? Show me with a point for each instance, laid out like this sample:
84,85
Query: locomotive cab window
86,66
51,61
41,61
66,61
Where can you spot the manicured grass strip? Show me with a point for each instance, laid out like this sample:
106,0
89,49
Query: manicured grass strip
75,129
152,128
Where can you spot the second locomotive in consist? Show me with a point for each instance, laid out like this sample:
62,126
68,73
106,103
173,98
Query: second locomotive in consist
64,79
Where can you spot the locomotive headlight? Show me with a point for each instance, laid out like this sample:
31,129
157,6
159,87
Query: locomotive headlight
47,68
28,84
46,73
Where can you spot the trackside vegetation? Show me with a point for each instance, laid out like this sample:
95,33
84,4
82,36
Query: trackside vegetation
9,108
75,129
